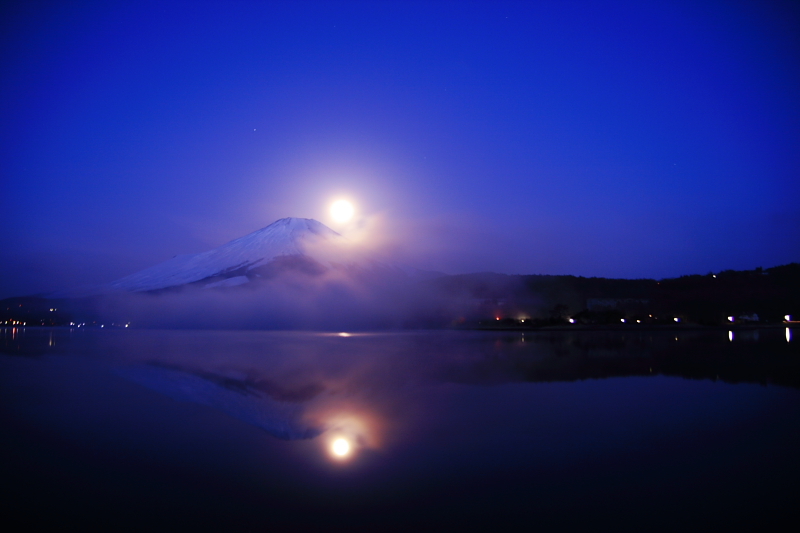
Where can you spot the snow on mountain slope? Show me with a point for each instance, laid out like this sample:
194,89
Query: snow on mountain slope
285,238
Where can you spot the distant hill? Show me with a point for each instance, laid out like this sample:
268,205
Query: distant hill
707,299
298,273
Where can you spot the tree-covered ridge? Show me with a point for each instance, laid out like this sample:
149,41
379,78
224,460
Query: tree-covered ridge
769,294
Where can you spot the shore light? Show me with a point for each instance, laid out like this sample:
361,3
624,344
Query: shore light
571,320
730,319
787,318
676,319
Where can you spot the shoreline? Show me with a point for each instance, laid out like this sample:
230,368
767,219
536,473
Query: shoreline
634,327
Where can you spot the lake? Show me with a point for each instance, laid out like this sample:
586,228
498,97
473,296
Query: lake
626,429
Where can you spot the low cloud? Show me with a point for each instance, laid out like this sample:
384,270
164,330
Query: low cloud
337,299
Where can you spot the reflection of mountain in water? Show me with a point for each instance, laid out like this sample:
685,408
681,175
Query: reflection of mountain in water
262,405
756,357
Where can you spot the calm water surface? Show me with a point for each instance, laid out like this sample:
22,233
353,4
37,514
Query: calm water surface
238,430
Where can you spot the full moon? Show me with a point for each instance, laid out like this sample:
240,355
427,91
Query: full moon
340,447
342,211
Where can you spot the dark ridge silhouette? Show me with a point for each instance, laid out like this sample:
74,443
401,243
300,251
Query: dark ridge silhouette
296,292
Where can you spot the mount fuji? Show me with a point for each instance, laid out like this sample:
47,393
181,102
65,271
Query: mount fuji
287,245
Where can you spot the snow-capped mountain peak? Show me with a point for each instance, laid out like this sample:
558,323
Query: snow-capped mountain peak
287,237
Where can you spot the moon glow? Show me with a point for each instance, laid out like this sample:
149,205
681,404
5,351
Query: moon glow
342,211
340,447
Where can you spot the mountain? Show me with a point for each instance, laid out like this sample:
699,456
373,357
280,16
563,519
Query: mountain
290,244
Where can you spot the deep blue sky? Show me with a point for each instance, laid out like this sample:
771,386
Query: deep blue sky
626,139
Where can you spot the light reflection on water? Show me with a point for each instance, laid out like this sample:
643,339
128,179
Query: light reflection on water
299,386
423,414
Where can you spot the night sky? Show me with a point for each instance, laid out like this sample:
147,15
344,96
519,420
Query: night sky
620,139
